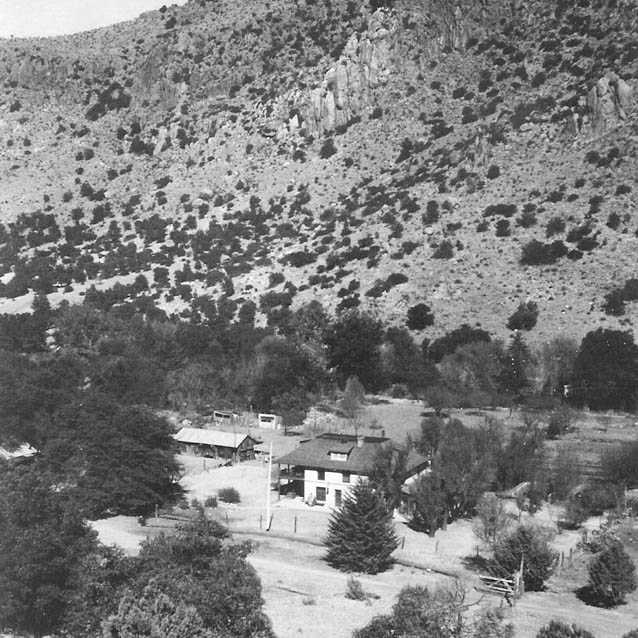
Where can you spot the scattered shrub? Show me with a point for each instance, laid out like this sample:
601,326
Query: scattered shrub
555,226
557,629
493,172
328,148
228,495
503,228
419,317
444,250
536,253
354,589
299,258
525,317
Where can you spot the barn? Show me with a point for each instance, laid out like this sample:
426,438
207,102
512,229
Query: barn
236,446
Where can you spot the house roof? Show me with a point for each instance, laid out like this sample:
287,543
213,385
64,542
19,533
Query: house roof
23,451
315,453
212,437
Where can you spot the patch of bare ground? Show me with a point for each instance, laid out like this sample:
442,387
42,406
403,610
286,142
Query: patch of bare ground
305,597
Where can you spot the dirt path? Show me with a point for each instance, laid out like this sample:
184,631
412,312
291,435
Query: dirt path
306,597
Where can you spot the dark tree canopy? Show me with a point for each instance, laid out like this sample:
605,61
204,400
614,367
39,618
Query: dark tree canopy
353,342
116,458
41,539
532,545
419,317
448,343
514,372
525,316
361,536
605,373
285,369
193,568
612,575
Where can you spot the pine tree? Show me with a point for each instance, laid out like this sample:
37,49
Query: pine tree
514,374
612,574
361,537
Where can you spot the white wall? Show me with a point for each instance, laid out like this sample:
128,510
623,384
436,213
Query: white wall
332,481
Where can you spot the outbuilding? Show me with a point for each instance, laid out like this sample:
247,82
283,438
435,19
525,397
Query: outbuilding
236,446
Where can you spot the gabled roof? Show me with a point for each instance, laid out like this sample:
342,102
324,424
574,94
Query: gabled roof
212,437
315,453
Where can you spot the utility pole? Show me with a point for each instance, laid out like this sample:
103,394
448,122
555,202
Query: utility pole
268,488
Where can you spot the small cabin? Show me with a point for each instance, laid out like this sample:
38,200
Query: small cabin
269,421
234,446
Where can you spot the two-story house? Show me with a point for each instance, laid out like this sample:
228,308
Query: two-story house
323,470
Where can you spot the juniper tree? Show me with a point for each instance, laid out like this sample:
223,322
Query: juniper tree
612,574
361,537
532,546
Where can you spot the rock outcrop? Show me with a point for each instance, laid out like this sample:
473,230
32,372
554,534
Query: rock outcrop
364,65
609,103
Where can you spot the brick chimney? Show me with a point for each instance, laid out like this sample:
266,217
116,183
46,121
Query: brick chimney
359,440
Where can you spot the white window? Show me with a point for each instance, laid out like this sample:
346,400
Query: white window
338,456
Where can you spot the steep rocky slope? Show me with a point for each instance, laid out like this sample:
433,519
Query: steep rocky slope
358,154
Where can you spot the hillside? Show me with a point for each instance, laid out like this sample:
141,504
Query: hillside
342,151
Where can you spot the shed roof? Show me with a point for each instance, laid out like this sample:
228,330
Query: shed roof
217,438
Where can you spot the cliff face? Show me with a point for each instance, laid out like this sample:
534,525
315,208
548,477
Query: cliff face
609,103
370,58
347,87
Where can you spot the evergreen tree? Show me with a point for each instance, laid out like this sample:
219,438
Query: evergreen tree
361,537
532,545
353,341
606,371
612,574
156,615
430,504
514,371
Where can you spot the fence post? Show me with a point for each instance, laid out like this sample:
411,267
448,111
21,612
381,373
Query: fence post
269,523
436,547
403,542
295,524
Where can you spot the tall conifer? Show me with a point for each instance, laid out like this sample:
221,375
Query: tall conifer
361,537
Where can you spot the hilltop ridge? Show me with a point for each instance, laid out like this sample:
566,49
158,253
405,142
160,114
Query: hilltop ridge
468,155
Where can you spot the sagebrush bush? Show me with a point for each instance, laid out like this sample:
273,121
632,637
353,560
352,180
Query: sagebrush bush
444,250
228,495
328,148
557,629
555,226
493,171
